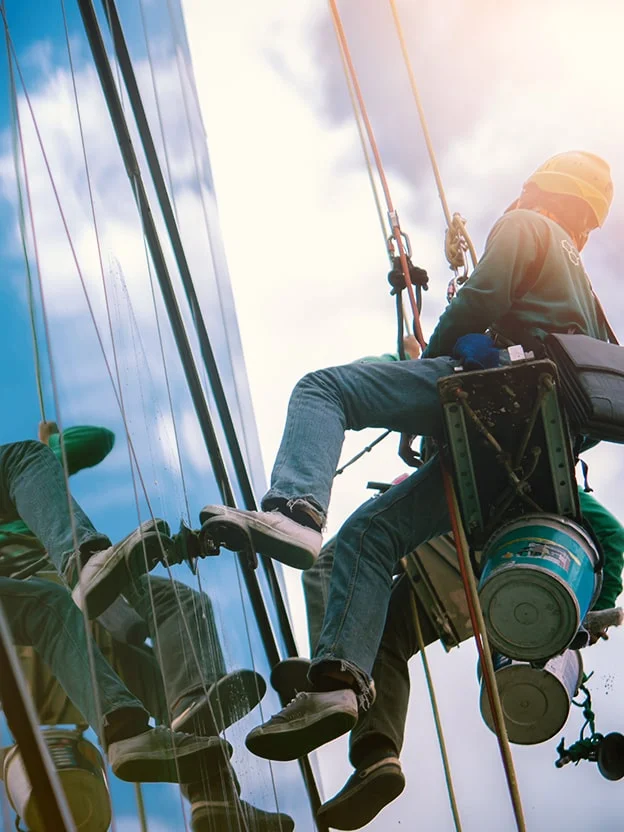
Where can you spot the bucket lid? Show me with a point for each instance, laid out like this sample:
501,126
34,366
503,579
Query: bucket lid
80,769
535,703
530,613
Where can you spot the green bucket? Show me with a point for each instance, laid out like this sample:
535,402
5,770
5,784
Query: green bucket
80,768
538,582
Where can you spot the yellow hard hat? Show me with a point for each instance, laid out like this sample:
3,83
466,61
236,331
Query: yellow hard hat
578,174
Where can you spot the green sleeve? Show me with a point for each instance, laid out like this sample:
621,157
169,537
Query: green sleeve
611,536
510,250
85,446
386,356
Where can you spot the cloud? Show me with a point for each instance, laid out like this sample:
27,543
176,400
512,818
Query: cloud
503,89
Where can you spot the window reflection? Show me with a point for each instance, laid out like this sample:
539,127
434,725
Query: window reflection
107,357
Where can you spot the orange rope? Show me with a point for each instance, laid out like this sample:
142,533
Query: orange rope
392,214
478,627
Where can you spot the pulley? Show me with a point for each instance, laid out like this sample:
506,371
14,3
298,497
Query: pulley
396,278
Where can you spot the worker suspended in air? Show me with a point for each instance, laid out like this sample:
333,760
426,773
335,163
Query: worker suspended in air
200,697
530,281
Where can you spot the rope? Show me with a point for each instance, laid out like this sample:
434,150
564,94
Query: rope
23,235
118,391
179,42
434,703
138,793
361,453
393,217
483,647
119,398
365,151
12,55
457,240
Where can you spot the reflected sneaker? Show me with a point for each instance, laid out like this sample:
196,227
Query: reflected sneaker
225,702
162,756
271,533
309,721
217,816
107,573
364,795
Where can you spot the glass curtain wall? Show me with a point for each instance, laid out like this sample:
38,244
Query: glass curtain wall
79,276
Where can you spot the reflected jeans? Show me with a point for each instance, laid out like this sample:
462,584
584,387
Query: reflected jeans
182,627
41,614
33,489
401,396
381,728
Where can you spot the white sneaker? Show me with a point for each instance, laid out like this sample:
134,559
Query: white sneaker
271,533
309,721
162,756
107,573
226,701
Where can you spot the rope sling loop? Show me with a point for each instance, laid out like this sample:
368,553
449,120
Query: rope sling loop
586,747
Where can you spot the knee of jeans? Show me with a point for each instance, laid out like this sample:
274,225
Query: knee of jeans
308,380
318,379
33,446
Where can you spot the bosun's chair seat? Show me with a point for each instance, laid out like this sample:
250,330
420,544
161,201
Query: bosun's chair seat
509,445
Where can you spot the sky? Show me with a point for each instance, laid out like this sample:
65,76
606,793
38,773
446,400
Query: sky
107,352
504,86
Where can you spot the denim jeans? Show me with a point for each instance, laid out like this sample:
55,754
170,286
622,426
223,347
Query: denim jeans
381,728
184,634
33,489
398,395
41,614
401,396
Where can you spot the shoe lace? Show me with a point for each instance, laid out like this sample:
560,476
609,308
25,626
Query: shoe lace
290,706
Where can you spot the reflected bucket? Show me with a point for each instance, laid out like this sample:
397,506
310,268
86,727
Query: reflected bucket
80,768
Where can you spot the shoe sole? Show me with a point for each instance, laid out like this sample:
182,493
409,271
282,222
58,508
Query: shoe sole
184,767
291,745
236,534
213,819
110,582
229,699
362,803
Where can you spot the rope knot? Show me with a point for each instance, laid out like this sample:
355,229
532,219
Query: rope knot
457,243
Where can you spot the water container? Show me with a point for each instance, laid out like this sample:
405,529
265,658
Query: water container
535,701
537,584
80,769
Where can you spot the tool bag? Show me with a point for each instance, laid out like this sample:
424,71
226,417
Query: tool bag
591,375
